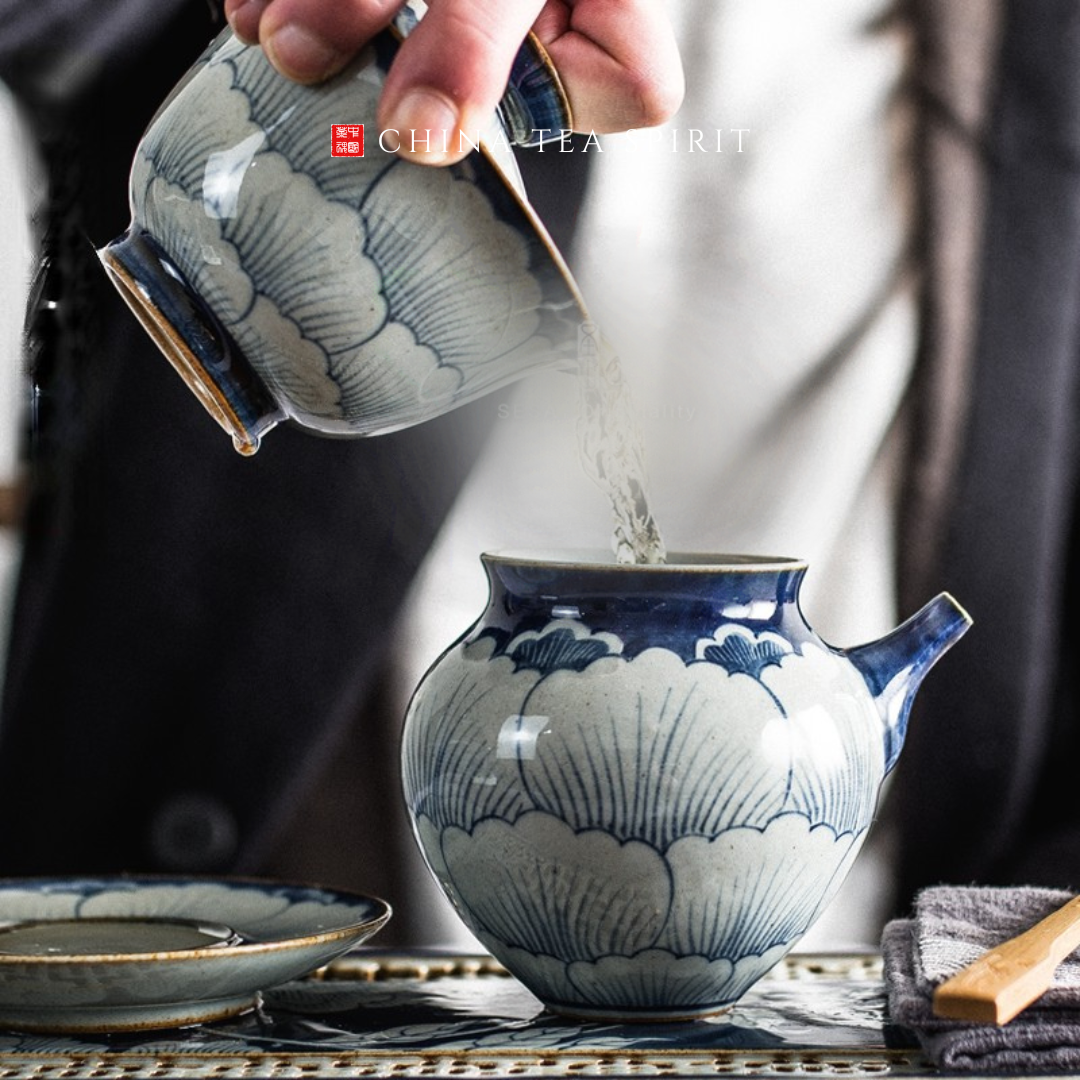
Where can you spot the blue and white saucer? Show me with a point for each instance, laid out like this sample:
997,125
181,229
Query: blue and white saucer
124,954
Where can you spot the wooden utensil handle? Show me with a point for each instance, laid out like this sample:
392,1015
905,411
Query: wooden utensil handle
1011,976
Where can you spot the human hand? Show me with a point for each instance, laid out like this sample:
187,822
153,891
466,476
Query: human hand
617,59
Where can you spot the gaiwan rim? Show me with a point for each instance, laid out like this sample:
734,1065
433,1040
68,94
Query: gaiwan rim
594,559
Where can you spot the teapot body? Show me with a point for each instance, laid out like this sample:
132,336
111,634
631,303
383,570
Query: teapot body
288,273
639,786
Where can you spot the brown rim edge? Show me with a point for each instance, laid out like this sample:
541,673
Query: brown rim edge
369,926
553,72
183,360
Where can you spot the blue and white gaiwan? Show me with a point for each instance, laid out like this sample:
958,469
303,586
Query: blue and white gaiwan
349,295
640,785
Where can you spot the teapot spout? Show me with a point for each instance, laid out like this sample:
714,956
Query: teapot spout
895,666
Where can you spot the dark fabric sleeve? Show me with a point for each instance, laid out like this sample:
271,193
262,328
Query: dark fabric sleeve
192,626
56,50
993,742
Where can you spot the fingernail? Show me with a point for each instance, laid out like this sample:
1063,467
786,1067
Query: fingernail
300,54
428,127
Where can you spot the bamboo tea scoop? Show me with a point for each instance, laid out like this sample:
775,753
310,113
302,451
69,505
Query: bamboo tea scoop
1007,979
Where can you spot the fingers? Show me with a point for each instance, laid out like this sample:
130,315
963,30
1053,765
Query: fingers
442,87
309,40
449,75
618,60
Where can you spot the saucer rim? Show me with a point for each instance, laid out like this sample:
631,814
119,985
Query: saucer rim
369,925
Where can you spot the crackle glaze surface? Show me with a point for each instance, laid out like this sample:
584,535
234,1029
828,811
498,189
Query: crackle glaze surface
640,804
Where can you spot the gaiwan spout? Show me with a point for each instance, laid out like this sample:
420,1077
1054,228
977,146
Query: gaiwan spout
895,666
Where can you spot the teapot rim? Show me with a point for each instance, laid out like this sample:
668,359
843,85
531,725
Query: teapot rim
600,559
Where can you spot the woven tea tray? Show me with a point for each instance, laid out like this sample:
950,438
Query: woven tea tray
398,1015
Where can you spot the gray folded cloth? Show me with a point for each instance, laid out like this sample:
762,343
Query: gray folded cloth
952,926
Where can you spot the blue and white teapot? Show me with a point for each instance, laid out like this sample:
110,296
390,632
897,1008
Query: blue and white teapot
640,785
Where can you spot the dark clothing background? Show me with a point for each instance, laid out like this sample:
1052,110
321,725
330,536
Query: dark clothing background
985,790
196,634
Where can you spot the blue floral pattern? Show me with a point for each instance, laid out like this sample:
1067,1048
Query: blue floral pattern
560,648
235,186
574,799
639,809
741,651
